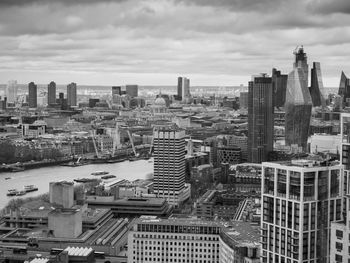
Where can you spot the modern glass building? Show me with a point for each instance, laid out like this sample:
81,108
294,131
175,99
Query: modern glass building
260,118
298,104
316,88
72,94
279,86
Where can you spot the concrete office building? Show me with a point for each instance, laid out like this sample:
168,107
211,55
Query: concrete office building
183,88
260,118
62,193
279,86
190,240
316,88
11,91
65,223
300,199
132,90
298,104
33,95
169,163
51,93
72,94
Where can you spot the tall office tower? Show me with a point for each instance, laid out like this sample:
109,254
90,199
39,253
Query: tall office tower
116,90
300,199
243,100
51,93
316,88
279,86
11,91
132,90
72,94
298,104
33,95
169,163
260,118
183,88
344,88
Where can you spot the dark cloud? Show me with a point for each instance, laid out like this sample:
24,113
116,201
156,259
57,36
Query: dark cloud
9,3
330,6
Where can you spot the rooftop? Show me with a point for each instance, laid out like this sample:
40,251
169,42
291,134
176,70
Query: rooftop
79,251
242,234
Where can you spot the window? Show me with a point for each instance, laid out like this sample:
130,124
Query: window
339,234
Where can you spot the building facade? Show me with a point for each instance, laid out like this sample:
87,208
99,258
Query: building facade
169,163
72,94
51,93
33,95
300,199
132,90
260,118
11,91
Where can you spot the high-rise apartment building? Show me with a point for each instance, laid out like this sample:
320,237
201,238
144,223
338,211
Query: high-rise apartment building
279,86
340,230
72,94
11,91
316,88
298,103
260,118
169,163
132,90
183,88
300,199
32,95
51,93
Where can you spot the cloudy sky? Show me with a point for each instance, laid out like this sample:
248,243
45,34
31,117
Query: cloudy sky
214,42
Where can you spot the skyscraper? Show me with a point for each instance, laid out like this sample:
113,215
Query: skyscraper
260,118
300,199
298,104
51,93
11,91
344,88
32,94
316,88
183,88
132,90
169,163
279,86
72,94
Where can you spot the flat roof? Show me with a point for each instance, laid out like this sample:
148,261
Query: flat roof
79,251
178,221
242,233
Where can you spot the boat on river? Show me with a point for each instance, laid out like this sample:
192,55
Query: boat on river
85,180
105,177
12,192
100,173
30,188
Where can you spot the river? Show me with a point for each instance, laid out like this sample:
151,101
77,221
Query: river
41,177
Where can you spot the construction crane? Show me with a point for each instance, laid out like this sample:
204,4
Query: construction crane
94,142
132,143
152,142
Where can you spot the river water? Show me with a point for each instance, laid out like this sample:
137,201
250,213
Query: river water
41,177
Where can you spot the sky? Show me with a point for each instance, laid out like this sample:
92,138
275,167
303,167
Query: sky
213,42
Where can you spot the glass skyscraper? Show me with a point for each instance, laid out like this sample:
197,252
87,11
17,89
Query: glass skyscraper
298,104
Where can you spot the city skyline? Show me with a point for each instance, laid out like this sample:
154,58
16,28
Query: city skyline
148,43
